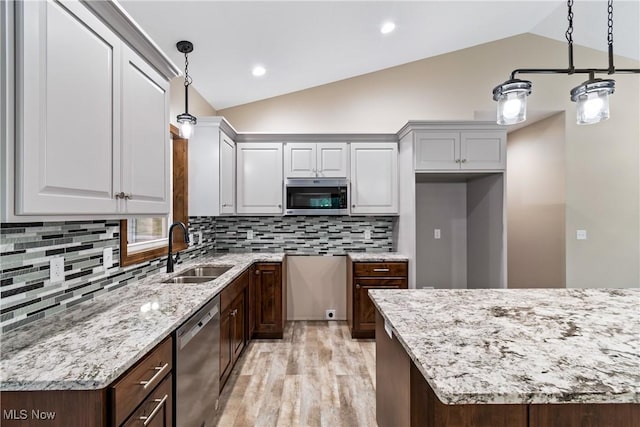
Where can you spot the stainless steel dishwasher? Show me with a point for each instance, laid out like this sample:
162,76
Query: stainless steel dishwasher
197,361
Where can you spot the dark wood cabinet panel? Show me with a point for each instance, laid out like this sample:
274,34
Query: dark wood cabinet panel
251,303
157,408
269,301
238,327
136,384
363,276
580,415
365,311
226,354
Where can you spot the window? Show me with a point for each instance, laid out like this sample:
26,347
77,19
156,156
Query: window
143,239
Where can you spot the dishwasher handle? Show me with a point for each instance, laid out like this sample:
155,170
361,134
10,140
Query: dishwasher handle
188,336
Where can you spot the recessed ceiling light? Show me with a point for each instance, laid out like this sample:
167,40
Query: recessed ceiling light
387,27
258,71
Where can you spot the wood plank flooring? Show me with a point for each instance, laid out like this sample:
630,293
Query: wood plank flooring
315,376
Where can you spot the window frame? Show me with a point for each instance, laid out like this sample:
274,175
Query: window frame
180,206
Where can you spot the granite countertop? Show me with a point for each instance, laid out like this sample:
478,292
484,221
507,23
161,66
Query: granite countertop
377,256
91,345
520,346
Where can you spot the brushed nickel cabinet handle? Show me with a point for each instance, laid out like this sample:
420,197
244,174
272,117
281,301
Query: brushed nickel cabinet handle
153,413
119,195
147,383
128,196
464,160
381,270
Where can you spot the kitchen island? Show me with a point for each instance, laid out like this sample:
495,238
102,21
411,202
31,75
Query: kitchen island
531,357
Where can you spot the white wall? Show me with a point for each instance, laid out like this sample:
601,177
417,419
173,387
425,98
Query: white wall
602,178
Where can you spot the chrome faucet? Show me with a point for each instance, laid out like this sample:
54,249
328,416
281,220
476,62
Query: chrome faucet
170,259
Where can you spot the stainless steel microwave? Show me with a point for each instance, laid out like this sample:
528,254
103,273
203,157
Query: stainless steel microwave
316,196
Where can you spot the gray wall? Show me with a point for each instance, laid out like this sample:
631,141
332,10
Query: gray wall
441,263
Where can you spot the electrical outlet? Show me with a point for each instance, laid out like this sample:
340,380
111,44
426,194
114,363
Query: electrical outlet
581,234
436,233
191,241
199,237
249,234
367,234
330,314
56,269
107,258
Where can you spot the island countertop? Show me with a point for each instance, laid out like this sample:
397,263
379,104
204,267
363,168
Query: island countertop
91,345
520,346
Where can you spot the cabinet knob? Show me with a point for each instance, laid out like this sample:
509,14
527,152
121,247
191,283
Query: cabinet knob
224,205
128,196
464,160
119,195
353,206
279,206
357,286
257,273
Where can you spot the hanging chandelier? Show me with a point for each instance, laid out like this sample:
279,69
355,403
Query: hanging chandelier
186,121
591,97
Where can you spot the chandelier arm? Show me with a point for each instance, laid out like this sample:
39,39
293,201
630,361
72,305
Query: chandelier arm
573,71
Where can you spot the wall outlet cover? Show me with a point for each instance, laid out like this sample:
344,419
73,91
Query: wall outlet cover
436,233
56,269
249,234
581,234
367,234
107,258
199,237
330,314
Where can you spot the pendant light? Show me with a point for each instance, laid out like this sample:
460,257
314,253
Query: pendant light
186,121
591,97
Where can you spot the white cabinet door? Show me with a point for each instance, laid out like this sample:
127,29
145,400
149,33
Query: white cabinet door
227,175
483,150
259,173
437,150
331,160
145,139
67,87
300,160
374,178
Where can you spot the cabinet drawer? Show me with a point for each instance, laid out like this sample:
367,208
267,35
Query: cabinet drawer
370,282
380,269
157,409
136,385
231,292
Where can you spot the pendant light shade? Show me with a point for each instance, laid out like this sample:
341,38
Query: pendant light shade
592,100
186,121
591,97
512,101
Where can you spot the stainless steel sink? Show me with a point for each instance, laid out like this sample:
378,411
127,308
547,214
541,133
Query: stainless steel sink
205,271
200,274
188,279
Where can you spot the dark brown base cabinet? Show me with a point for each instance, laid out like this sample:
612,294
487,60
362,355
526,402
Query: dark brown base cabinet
253,306
126,402
362,276
269,313
404,398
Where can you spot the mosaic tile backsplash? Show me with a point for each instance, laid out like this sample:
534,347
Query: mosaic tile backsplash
27,294
320,235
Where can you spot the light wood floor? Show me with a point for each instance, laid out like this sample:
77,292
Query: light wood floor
316,376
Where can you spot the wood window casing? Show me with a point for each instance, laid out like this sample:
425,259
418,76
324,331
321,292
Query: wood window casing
180,206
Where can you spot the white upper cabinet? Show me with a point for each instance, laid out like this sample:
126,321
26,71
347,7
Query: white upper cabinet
460,150
374,178
315,160
212,169
92,134
259,174
227,175
145,140
68,83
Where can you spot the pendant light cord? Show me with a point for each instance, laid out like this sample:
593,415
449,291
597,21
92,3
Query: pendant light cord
187,82
569,34
610,35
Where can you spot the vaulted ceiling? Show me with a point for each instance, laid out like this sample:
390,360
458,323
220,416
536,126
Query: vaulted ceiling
303,44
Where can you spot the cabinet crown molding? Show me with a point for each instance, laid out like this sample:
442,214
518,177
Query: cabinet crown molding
111,13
